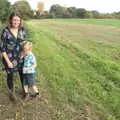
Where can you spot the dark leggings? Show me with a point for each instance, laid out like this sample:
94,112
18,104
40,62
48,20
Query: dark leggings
10,79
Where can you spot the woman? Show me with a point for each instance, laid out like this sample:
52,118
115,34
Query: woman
11,38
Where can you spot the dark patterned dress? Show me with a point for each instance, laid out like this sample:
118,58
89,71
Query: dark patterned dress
12,46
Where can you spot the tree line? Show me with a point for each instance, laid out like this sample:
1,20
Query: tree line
56,11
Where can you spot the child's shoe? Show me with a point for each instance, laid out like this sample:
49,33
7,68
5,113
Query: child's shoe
36,95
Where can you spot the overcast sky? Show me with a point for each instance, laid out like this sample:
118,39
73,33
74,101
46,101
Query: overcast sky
103,6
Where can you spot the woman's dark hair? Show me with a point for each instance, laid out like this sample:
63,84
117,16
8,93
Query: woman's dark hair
13,15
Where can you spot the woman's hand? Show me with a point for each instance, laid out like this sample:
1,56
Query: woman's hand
10,64
22,54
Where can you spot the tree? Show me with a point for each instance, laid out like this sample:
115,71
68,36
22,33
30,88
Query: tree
116,15
72,11
40,6
5,10
24,8
57,10
95,14
81,13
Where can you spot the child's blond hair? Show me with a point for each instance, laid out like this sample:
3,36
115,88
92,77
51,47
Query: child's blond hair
27,45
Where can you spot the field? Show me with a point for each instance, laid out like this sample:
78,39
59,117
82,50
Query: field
78,71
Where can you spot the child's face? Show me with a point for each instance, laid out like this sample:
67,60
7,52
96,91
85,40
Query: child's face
28,49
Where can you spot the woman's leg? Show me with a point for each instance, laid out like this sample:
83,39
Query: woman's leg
11,87
21,78
10,81
20,70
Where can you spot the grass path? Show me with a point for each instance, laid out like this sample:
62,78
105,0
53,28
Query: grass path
85,70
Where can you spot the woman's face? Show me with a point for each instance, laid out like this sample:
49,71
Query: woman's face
15,22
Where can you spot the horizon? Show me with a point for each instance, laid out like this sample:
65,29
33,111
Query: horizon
99,5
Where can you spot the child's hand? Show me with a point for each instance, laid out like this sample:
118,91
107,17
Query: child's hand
26,69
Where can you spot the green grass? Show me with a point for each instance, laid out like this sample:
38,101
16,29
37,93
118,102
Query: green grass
107,22
78,72
80,64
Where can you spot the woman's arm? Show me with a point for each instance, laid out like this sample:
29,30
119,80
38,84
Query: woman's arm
3,49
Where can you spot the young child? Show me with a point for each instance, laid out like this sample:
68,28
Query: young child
29,70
